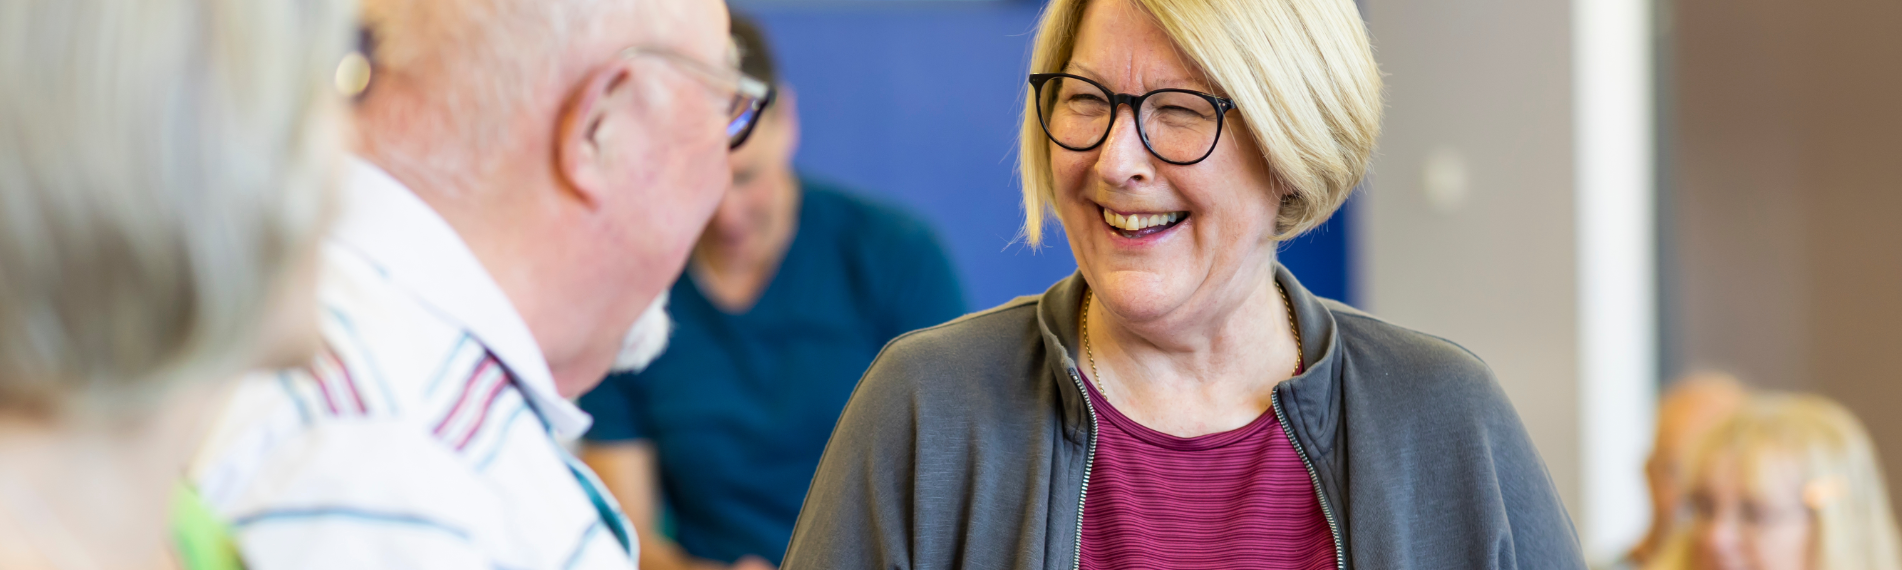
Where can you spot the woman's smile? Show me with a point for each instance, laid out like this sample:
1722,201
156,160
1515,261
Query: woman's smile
1133,228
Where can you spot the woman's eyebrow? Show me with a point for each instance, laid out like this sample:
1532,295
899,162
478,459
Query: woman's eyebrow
1189,83
1075,68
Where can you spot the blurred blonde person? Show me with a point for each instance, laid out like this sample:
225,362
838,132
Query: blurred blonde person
1791,482
1694,405
164,173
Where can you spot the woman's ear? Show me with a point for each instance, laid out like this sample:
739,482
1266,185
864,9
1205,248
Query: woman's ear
594,132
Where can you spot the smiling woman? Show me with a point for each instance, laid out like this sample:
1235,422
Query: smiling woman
1322,113
1182,401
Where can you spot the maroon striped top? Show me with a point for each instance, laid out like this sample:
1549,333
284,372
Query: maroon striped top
1235,499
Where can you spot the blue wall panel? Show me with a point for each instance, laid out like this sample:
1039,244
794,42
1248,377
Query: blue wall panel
917,103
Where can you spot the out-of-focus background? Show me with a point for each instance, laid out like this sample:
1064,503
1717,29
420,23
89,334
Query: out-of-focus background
1595,196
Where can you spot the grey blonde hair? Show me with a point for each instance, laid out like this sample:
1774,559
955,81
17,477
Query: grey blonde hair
1301,73
163,164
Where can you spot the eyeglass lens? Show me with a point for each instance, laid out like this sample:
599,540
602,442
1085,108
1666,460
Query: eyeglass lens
744,116
745,109
1177,126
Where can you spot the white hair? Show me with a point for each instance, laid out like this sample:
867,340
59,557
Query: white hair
162,164
475,66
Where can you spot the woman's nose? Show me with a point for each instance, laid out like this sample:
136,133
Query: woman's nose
1123,160
1719,543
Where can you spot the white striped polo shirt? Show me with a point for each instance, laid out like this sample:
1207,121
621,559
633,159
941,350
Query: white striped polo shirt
427,434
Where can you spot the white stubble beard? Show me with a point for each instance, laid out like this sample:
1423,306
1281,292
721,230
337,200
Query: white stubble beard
647,339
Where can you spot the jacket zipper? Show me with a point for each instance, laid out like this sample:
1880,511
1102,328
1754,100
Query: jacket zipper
1333,528
1089,461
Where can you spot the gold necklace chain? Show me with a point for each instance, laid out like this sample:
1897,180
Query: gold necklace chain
1300,359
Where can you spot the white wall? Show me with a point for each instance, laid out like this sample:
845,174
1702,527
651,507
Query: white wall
1612,102
1473,220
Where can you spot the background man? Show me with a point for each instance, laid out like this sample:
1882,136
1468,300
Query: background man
792,289
1690,409
533,174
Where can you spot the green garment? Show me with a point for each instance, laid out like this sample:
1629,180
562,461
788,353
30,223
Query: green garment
202,541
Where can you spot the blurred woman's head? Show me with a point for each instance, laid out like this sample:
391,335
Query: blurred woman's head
164,167
162,174
1275,110
1790,482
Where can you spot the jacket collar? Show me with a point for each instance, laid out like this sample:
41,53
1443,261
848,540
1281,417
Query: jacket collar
1309,400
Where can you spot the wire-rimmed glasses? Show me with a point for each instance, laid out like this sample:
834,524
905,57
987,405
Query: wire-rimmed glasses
751,96
1178,126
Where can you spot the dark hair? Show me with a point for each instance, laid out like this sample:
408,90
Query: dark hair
756,59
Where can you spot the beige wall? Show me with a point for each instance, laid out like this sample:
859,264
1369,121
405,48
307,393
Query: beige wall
1490,82
1786,220
1509,209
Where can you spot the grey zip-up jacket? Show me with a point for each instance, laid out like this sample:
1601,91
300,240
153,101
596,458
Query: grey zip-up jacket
968,445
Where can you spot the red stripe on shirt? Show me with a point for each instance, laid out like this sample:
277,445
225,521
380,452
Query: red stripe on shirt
483,416
467,389
318,377
348,381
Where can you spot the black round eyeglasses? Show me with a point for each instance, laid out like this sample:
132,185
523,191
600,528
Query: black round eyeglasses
1178,126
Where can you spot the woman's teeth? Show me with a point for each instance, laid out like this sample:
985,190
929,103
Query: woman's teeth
1135,222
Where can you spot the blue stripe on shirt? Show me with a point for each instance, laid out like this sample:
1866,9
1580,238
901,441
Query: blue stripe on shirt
363,353
501,439
290,391
442,370
583,545
282,515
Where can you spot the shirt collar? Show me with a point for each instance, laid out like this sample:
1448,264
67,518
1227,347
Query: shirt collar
417,249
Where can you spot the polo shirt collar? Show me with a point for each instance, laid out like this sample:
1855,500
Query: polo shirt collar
418,250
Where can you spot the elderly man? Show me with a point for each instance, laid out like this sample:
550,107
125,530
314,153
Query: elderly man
532,176
1695,405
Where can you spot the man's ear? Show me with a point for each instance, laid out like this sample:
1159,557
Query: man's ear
786,105
594,125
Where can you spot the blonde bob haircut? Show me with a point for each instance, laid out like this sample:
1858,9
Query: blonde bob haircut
1302,76
1842,478
163,166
